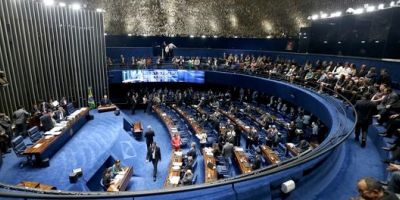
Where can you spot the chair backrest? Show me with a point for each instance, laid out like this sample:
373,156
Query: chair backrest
16,141
33,130
70,108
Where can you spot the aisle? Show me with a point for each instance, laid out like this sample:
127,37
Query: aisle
143,172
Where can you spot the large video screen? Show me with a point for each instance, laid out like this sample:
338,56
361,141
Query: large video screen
162,75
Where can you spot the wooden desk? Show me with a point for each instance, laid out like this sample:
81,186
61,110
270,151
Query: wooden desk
243,161
292,149
106,108
166,119
271,156
137,127
121,180
49,144
192,122
210,175
240,123
175,158
36,185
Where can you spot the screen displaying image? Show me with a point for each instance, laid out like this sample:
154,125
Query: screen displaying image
162,75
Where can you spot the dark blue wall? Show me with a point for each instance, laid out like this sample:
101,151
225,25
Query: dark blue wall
187,42
393,66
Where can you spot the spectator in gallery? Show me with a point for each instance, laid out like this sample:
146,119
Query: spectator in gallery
109,62
122,60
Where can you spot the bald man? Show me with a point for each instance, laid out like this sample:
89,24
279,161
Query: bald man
371,189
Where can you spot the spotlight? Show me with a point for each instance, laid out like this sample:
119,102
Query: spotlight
381,6
363,41
76,6
377,41
62,4
339,42
325,42
350,10
235,36
100,10
48,2
269,36
191,36
129,35
105,34
172,35
215,36
392,3
370,8
145,35
336,14
203,36
314,17
359,11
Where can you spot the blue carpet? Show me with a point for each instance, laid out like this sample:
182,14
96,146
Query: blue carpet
87,149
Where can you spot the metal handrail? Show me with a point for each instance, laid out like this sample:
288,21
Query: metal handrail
289,163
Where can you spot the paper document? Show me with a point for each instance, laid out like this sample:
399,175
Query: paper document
37,145
174,179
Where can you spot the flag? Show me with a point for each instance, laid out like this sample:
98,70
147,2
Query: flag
91,103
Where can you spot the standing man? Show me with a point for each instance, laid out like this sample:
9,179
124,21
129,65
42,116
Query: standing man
365,109
20,116
149,135
154,155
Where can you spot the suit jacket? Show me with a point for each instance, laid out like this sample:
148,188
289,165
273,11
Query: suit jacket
365,109
104,102
227,150
57,115
157,154
20,116
149,136
47,122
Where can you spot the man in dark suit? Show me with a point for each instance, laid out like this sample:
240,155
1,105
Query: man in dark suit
45,107
154,155
20,116
105,101
46,121
365,109
59,115
149,135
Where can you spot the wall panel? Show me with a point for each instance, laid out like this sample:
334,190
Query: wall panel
48,52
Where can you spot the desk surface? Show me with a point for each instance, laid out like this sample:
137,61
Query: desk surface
240,123
269,154
121,180
41,145
192,121
36,185
106,108
292,149
166,119
137,127
210,174
243,161
176,158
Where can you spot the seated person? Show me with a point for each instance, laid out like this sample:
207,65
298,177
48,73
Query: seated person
47,122
105,101
4,141
106,181
188,164
256,164
176,142
115,168
371,189
187,178
59,115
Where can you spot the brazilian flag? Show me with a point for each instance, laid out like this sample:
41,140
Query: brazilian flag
91,102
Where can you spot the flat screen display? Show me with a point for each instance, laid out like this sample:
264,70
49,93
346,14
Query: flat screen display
162,75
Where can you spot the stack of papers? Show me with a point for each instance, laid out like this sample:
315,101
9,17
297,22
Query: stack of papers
176,168
37,145
174,180
178,153
238,149
48,137
164,114
177,163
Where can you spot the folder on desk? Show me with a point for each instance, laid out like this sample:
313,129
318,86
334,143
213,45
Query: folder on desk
37,145
174,180
177,163
178,153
